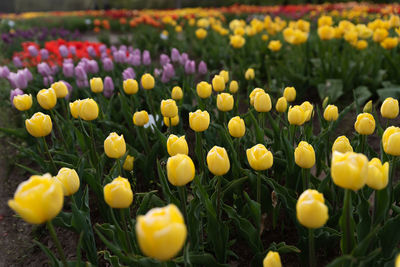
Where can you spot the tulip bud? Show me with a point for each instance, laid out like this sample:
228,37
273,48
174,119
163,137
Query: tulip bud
390,108
201,33
130,86
114,146
161,232
147,81
47,98
253,94
39,125
249,75
297,115
169,108
88,110
233,87
308,108
75,108
275,45
69,180
391,141
199,120
177,93
225,75
38,199
311,210
368,107
218,83
236,127
262,102
140,118
203,89
128,163
118,194
290,94
177,145
96,85
60,88
304,155
259,157
378,174
342,145
281,104
349,170
331,113
225,102
180,169
325,102
22,102
174,121
272,260
365,124
218,161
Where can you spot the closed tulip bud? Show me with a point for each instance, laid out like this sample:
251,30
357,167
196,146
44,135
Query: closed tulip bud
201,33
114,146
218,83
297,115
391,141
177,145
69,180
60,88
39,125
274,45
75,108
236,127
177,93
262,102
203,89
22,102
180,169
218,161
147,81
281,104
169,108
290,94
390,108
311,210
96,85
308,108
378,174
259,157
368,107
225,75
331,113
225,102
89,110
130,86
161,232
38,199
342,145
249,75
128,163
47,98
233,87
349,170
325,102
140,118
174,121
199,120
304,155
272,260
365,124
118,194
253,94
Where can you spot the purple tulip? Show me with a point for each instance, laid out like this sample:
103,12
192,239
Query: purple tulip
48,80
4,71
68,69
44,69
91,51
80,73
27,73
17,80
202,68
68,60
33,52
103,55
190,67
168,73
135,61
108,87
17,62
119,56
183,59
44,54
69,87
93,66
108,64
175,56
72,50
123,48
103,48
128,73
157,72
146,58
14,93
63,51
164,59
113,49
137,52
54,69
130,49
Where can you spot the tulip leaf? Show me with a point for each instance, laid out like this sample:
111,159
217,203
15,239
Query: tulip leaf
255,209
384,93
390,236
332,88
341,261
283,248
113,260
203,259
53,259
17,132
361,95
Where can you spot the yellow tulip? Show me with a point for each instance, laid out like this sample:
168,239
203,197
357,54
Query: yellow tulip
203,89
290,94
259,157
389,108
174,121
89,110
118,194
147,81
311,210
272,260
128,163
161,232
368,107
22,102
75,108
69,180
140,118
177,93
274,45
180,169
397,263
47,98
218,161
233,87
331,113
237,41
361,44
225,102
281,104
130,86
114,146
349,170
39,125
262,102
308,108
218,83
253,94
326,32
378,174
379,35
297,115
169,108
177,145
249,75
225,75
390,43
38,199
325,20
342,145
96,85
199,120
60,88
304,155
391,141
201,33
236,127
365,124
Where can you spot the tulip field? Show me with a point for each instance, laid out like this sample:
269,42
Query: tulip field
230,136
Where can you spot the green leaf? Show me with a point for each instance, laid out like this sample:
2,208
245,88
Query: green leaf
361,95
390,236
53,259
341,261
389,92
332,88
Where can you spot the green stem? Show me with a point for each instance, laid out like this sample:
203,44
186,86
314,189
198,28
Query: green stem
46,149
57,242
125,227
347,235
391,176
306,181
311,248
259,187
219,178
119,166
170,125
199,151
58,128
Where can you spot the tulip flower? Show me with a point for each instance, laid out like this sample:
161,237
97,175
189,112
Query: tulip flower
60,89
236,127
342,145
331,113
249,75
225,75
147,81
177,145
237,41
169,108
272,260
108,87
262,102
96,85
114,146
259,157
88,109
225,102
199,120
378,174
297,115
171,121
118,194
218,83
253,94
128,163
390,108
130,86
274,45
22,102
47,98
391,141
365,124
201,33
177,93
218,161
233,87
69,180
281,104
308,108
290,94
140,118
180,169
203,89
39,125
